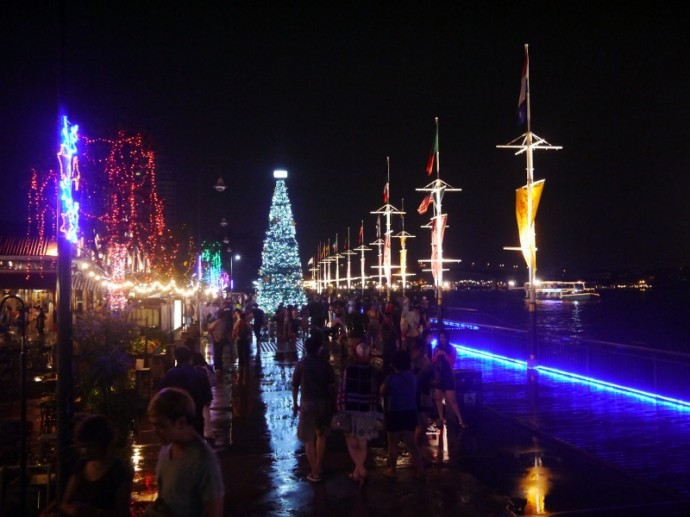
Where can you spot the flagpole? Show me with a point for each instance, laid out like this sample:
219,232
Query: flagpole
437,226
328,269
349,286
438,153
322,268
336,255
439,230
362,248
403,236
317,265
387,239
529,143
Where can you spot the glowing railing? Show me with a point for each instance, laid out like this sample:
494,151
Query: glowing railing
658,375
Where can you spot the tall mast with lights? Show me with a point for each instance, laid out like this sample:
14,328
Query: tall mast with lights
436,190
527,197
387,210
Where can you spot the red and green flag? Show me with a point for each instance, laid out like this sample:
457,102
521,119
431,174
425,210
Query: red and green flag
432,154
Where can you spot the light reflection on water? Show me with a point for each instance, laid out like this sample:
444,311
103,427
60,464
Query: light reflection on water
655,318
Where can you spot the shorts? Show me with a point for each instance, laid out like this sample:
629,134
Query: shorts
405,420
314,419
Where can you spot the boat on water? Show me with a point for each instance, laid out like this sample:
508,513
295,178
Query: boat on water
563,291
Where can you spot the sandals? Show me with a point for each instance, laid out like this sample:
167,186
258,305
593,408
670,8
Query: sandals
314,479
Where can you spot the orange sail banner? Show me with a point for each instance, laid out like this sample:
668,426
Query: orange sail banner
525,223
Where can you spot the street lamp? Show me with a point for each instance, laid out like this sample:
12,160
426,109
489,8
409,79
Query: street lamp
232,280
220,185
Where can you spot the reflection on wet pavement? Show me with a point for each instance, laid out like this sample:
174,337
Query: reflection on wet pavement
496,467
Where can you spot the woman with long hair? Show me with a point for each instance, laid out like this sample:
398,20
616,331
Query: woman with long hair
443,360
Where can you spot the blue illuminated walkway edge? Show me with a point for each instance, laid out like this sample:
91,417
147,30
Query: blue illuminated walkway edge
571,376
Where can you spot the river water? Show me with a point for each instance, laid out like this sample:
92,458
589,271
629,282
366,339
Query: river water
655,318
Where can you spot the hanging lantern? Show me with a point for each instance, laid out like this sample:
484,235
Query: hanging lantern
220,185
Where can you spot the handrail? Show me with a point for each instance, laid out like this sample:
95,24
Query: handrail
612,344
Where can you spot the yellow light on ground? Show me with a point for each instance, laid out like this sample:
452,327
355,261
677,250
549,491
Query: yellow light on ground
535,486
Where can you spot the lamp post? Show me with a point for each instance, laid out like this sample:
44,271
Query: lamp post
232,259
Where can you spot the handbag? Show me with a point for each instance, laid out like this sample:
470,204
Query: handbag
341,421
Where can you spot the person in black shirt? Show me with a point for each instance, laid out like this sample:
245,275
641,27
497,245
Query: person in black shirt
258,317
191,379
314,380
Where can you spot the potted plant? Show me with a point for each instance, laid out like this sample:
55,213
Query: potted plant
103,383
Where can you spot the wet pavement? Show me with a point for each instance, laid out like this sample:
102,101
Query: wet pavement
538,444
265,468
510,461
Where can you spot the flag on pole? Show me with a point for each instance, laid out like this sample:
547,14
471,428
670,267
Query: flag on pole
424,205
387,258
378,227
438,227
524,90
385,194
335,245
346,244
432,154
361,234
311,261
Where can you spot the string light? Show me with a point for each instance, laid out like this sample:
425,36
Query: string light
280,276
122,217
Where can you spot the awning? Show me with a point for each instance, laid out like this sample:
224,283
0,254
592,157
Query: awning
23,280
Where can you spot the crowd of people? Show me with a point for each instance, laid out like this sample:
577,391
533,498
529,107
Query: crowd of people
408,388
392,385
13,319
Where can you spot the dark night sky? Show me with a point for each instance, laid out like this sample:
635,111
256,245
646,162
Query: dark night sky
328,91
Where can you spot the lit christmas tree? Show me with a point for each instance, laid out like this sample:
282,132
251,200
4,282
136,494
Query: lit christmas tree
280,277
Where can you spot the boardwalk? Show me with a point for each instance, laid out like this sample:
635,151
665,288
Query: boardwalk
537,444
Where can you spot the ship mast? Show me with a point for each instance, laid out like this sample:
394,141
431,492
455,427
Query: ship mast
348,252
403,236
387,210
362,248
437,225
335,257
527,143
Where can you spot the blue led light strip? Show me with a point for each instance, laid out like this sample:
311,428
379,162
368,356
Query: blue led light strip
610,386
573,377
